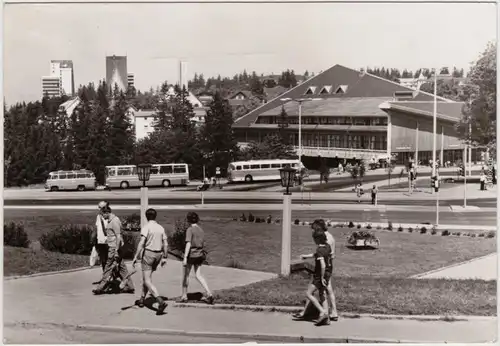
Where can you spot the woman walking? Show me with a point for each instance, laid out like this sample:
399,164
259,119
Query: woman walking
194,256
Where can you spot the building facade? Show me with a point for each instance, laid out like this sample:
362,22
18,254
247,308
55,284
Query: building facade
62,70
352,115
130,80
116,72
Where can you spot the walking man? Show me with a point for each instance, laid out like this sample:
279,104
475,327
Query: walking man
114,263
101,245
374,194
152,251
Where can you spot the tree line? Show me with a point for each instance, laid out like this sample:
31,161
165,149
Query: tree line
40,137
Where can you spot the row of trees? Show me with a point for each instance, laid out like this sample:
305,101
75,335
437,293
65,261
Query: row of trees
40,138
395,74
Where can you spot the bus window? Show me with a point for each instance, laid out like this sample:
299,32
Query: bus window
246,167
275,165
254,166
238,168
62,175
124,171
154,170
265,166
111,172
82,175
71,176
231,167
166,169
179,169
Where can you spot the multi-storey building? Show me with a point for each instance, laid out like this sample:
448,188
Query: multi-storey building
62,70
131,80
352,115
116,72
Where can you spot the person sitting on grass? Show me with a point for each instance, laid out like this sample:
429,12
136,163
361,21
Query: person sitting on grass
194,256
320,279
152,251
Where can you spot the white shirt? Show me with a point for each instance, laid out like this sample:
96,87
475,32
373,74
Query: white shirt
101,235
330,241
155,235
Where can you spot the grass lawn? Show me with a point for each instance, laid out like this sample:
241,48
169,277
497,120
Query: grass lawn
21,261
376,295
258,246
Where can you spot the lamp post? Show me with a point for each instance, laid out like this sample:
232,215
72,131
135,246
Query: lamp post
144,171
287,176
300,101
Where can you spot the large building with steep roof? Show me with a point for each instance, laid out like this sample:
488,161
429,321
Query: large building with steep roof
356,115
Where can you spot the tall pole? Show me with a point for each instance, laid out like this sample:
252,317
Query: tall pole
300,131
144,203
434,126
470,148
286,237
465,176
441,157
416,148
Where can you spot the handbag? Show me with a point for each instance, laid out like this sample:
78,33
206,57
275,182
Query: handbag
94,257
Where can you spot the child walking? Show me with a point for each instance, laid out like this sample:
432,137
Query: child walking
194,256
320,279
152,251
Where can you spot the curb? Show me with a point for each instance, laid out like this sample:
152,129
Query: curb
292,309
253,337
419,276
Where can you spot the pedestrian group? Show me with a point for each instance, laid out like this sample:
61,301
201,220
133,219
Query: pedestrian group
152,252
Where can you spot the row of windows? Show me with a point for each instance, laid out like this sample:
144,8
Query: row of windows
265,166
360,121
71,176
122,171
370,142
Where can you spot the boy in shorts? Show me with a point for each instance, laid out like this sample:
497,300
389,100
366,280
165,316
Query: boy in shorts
321,277
152,250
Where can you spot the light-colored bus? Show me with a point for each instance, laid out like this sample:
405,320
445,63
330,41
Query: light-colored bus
249,171
165,175
80,180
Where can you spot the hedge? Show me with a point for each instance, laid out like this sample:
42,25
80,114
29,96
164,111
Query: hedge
15,235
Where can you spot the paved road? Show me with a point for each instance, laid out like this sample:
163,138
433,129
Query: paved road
37,335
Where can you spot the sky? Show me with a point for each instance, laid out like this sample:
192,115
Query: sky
225,39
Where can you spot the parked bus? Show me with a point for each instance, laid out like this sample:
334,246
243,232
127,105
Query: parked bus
80,180
249,171
165,175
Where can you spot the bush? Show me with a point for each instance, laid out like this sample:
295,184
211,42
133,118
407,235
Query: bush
15,235
297,221
379,227
389,226
400,228
423,230
491,234
473,235
445,233
70,239
351,224
130,242
359,226
434,232
243,217
278,221
132,223
257,219
459,234
251,218
369,226
410,229
177,240
481,235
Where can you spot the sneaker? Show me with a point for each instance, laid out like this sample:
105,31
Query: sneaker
334,318
208,299
322,321
161,307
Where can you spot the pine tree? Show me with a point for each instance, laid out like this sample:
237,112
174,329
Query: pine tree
283,125
121,134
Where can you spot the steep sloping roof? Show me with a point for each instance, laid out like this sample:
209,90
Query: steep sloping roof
246,93
352,106
359,84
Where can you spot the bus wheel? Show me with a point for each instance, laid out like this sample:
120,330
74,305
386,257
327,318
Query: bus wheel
81,188
54,188
166,183
124,185
248,178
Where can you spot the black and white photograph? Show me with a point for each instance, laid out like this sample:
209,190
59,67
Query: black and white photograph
249,172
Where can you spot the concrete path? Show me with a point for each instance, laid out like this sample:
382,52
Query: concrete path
484,268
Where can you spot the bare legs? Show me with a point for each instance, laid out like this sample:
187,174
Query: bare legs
323,306
331,301
199,277
147,284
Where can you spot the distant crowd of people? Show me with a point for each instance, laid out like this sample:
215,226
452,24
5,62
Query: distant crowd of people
151,253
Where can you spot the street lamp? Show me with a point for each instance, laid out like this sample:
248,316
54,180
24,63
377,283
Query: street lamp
287,175
143,172
434,130
300,101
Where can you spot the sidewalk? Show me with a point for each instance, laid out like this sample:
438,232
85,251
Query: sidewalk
67,299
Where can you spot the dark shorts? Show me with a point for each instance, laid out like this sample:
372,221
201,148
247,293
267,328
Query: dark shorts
151,260
317,281
196,260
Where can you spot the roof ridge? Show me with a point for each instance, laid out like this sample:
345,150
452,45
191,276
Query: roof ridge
284,94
